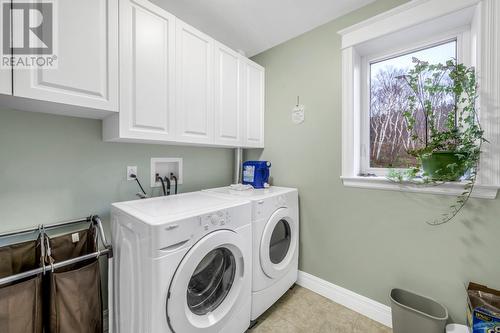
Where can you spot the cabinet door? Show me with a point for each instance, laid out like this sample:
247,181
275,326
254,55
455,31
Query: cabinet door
5,72
194,104
147,36
86,45
254,77
228,104
5,81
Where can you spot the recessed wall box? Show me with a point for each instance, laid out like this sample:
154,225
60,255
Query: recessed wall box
164,167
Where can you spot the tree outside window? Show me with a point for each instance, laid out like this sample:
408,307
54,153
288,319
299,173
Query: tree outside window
390,138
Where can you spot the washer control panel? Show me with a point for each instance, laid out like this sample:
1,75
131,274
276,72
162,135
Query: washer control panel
215,220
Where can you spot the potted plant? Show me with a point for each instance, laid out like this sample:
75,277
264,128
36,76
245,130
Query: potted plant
443,122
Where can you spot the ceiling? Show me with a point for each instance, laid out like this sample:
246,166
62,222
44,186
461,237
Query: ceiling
254,26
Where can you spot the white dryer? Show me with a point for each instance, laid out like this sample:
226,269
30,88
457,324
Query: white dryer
182,264
275,224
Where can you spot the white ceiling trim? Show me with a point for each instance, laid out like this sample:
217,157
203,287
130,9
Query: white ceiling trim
401,17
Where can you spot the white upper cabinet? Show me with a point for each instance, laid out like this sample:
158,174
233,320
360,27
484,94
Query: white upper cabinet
5,73
86,46
194,103
147,69
228,101
151,77
5,81
253,110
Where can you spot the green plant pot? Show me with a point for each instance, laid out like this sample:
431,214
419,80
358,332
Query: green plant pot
436,165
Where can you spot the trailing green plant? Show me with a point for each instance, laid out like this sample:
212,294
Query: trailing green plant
461,136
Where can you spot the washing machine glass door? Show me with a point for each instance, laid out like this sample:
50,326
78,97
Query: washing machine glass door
278,243
207,284
211,281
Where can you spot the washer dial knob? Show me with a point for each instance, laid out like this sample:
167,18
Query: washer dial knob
215,220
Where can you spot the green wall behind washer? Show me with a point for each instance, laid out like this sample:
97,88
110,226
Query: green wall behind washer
56,168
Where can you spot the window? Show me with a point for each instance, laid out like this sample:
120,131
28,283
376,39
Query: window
376,52
388,98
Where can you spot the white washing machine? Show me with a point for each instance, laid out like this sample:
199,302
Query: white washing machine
275,224
182,264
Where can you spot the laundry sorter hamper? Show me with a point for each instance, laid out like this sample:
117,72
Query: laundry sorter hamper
74,291
21,301
53,284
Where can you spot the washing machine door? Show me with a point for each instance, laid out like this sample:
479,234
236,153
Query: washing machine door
207,284
278,243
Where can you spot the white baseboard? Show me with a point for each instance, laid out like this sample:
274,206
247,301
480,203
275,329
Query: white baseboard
361,304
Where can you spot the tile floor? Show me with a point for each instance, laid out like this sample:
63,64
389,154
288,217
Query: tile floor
303,311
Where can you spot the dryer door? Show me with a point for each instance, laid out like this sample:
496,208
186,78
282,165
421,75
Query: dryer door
278,243
207,284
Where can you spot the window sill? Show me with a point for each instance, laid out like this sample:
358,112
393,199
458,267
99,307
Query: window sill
452,189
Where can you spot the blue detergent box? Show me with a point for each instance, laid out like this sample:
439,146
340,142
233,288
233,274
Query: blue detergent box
483,312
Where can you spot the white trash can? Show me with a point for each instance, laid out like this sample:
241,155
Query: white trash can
456,328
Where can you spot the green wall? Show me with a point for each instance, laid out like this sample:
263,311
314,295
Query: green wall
368,241
55,168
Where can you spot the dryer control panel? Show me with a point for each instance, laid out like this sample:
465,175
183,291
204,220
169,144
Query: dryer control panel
263,208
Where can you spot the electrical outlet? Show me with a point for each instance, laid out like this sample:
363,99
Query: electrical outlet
131,170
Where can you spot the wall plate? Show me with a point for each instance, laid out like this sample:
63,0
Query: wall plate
298,114
164,166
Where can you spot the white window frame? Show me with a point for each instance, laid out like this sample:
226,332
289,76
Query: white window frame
372,40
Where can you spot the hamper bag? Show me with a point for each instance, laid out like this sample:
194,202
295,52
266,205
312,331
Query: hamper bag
20,302
75,290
